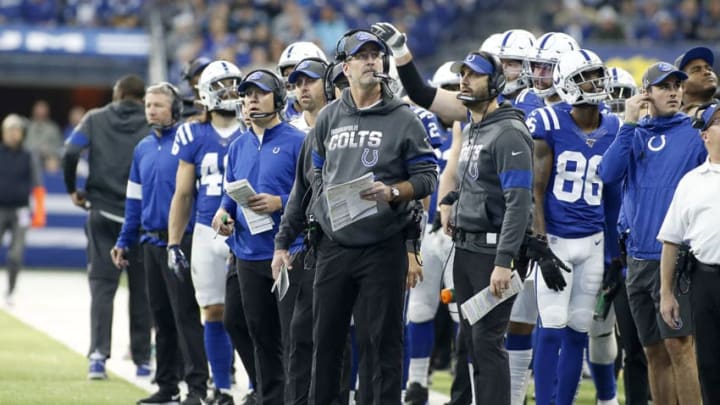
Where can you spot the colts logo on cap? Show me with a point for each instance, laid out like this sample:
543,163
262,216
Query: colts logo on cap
665,67
303,65
255,76
470,58
363,36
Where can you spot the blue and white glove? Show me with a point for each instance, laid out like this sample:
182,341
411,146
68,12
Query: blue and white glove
395,39
177,262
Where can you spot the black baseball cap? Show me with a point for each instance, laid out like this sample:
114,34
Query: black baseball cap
699,52
194,67
264,80
355,41
311,68
660,71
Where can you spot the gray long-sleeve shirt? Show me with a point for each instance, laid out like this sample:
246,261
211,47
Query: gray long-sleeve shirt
495,178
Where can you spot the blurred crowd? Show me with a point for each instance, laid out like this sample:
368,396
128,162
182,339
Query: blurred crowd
73,13
635,21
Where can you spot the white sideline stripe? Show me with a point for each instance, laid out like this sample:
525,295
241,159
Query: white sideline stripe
62,204
71,238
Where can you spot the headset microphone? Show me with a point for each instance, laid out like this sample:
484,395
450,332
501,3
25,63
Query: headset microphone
472,99
382,76
262,115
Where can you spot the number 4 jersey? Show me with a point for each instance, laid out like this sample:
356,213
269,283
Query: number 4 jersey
200,144
573,199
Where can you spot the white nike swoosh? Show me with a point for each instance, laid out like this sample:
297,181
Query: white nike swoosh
515,153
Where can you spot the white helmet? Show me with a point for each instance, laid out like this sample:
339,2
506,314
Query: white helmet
444,76
298,51
568,77
622,87
492,43
517,44
548,49
219,79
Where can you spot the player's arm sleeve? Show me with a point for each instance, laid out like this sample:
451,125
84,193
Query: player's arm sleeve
78,140
615,160
39,217
293,219
516,178
612,200
130,231
420,160
440,101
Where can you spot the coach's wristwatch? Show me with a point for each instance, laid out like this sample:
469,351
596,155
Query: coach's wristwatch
394,193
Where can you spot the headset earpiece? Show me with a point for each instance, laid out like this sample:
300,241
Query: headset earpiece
698,121
177,103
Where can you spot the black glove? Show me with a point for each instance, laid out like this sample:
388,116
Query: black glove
395,39
612,278
177,262
550,265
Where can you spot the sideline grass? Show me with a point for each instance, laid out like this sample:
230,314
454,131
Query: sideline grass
441,381
35,369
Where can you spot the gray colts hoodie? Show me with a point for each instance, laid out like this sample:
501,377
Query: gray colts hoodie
495,178
387,139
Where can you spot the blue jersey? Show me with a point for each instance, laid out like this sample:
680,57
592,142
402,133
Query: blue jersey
651,158
150,188
574,196
289,113
201,145
269,167
527,101
439,138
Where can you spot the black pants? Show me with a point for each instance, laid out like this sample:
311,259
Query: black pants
485,340
236,326
635,374
301,343
10,222
268,322
461,390
367,282
177,324
706,317
103,277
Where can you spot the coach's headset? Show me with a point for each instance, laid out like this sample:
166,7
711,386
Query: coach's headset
278,90
698,121
176,107
496,80
341,54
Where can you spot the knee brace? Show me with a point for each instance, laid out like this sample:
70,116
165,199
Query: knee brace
603,349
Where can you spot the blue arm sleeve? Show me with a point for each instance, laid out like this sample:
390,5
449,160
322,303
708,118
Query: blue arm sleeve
130,231
612,200
227,203
615,161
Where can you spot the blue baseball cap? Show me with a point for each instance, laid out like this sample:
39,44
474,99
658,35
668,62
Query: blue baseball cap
354,42
699,52
264,80
659,72
476,62
311,68
705,119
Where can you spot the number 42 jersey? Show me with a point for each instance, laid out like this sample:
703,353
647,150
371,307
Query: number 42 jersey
200,144
573,199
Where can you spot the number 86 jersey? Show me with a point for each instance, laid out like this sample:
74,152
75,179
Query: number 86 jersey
204,147
573,198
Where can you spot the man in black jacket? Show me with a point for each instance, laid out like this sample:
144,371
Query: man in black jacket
110,134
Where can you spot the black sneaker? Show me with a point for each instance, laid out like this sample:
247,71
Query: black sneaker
249,399
161,398
222,398
193,398
416,394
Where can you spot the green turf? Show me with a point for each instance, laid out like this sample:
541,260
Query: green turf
441,381
34,369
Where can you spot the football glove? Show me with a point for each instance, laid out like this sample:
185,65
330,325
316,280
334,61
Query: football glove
550,265
177,262
395,39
